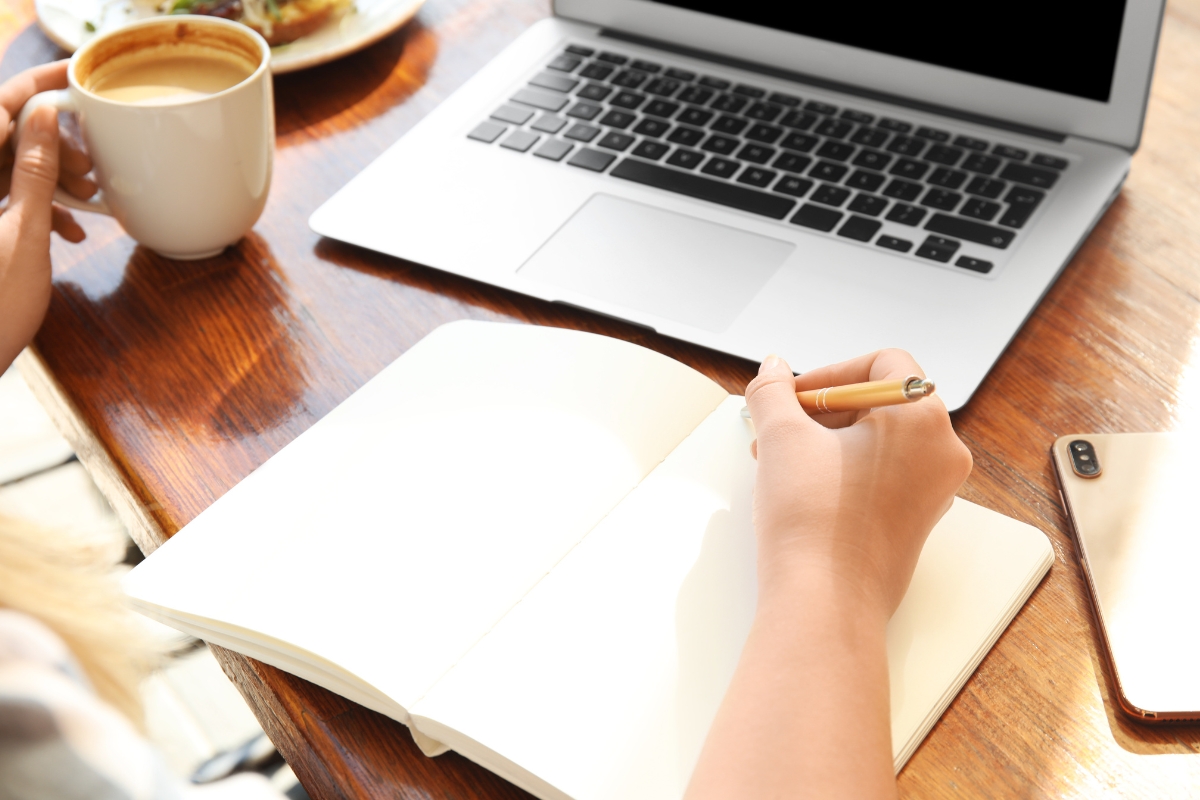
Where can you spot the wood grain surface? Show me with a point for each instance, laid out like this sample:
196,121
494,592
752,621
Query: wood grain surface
174,381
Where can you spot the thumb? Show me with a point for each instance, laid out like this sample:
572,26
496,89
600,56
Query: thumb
771,396
34,174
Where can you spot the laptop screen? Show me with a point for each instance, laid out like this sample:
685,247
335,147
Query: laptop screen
1068,47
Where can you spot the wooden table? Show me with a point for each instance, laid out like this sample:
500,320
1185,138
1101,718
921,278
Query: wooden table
174,381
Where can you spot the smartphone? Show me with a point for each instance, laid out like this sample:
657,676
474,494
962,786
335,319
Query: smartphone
1134,502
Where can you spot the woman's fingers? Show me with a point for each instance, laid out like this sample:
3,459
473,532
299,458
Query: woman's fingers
877,366
16,91
72,160
78,185
64,224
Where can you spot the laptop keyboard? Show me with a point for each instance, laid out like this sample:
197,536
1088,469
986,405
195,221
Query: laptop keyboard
955,199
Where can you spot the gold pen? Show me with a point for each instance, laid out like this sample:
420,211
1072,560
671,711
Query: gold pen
858,396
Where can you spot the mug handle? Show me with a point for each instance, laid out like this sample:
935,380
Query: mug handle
61,100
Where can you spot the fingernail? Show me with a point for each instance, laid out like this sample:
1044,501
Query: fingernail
770,362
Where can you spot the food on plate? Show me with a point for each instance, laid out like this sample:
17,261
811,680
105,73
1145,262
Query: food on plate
279,21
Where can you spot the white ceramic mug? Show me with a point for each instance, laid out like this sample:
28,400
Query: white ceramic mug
185,178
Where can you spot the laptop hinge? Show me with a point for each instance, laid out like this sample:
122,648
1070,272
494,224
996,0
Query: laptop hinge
825,83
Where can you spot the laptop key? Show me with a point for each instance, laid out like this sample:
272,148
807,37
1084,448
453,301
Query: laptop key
548,123
941,199
796,187
554,82
799,141
547,101
860,229
828,171
821,108
722,145
688,159
512,114
789,100
689,137
596,72
799,120
696,95
868,204
613,58
1022,202
1043,160
661,108
757,153
520,141
980,209
487,132
764,112
861,117
947,178
646,66
615,141
565,63
894,125
870,137
893,243
630,100
971,143
651,150
834,128
906,146
702,188
1032,176
906,214
838,151
663,87
594,91
695,116
714,83
938,248
582,133
618,119
749,91
818,217
792,162
584,111
867,181
984,165
579,50
975,232
764,133
729,103
975,264
731,125
652,127
944,154
553,149
1015,153
830,195
907,168
594,160
680,74
757,176
986,187
933,134
721,167
872,159
629,79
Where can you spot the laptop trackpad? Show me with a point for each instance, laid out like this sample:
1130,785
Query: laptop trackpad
644,258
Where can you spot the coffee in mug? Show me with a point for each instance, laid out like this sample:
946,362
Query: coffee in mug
177,114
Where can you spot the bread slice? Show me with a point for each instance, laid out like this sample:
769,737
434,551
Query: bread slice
298,18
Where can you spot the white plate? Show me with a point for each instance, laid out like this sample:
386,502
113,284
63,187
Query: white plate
368,21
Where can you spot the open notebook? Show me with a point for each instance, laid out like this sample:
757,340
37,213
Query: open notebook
534,546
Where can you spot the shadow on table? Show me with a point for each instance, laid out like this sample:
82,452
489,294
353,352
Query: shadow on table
28,49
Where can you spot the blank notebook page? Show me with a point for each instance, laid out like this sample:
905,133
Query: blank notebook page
400,528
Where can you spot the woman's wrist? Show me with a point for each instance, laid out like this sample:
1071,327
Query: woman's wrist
795,586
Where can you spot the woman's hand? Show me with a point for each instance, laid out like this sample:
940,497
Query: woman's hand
842,506
28,174
856,493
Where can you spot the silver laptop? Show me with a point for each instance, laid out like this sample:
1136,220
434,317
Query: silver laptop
775,178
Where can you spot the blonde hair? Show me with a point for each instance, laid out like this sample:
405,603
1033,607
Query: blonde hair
71,583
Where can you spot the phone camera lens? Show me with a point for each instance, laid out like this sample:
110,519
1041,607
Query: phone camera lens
1083,459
